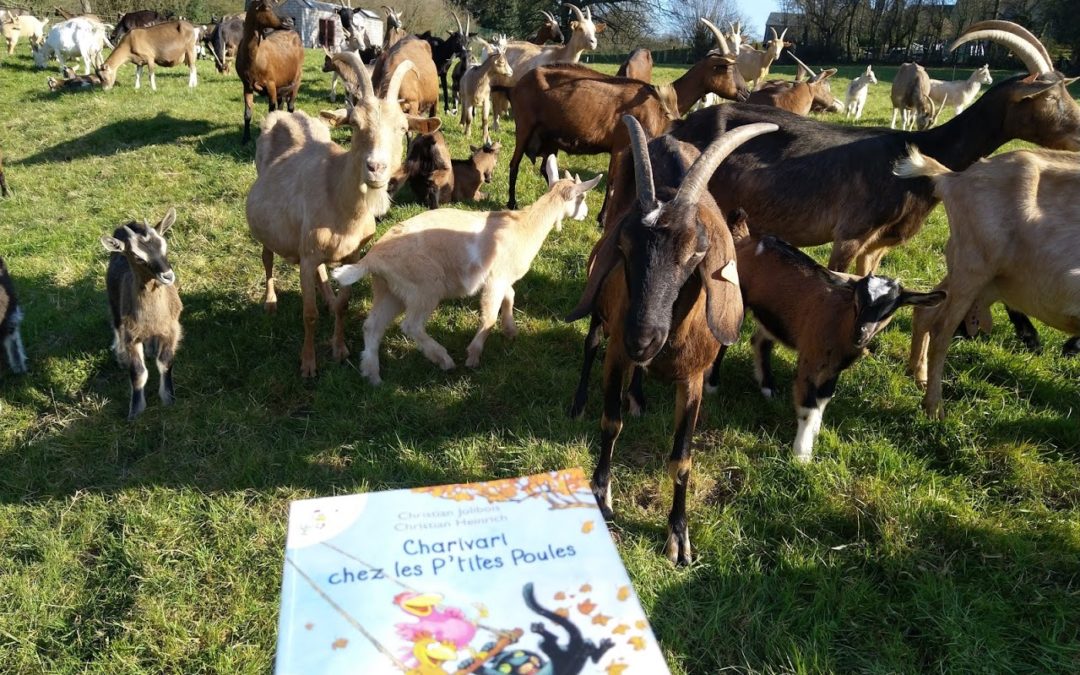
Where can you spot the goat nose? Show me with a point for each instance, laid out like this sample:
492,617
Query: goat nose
375,168
646,344
167,277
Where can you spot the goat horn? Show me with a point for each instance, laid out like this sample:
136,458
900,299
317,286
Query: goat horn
454,14
720,39
643,175
468,20
782,34
805,67
576,10
1017,38
548,16
697,177
352,61
588,13
396,78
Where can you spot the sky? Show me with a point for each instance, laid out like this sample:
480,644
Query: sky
757,11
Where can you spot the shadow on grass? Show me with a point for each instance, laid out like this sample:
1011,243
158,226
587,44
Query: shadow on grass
122,135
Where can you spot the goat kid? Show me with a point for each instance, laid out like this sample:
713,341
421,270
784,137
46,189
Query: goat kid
450,253
857,91
959,93
470,174
11,316
144,305
827,317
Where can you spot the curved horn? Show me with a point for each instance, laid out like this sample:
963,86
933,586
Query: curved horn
548,16
697,177
352,61
1022,43
782,34
395,80
468,20
720,39
454,14
773,31
576,10
643,175
588,13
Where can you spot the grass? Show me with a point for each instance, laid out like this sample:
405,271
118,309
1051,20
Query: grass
156,546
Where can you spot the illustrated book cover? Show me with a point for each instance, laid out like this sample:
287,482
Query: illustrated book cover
506,577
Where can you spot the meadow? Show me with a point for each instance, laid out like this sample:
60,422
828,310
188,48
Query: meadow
908,545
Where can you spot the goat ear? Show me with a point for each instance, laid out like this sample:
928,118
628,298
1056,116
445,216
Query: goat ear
581,188
917,299
424,125
167,222
335,118
551,170
723,294
602,260
112,244
573,25
474,149
1032,89
826,74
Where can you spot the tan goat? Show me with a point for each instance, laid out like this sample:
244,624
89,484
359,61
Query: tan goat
448,253
754,63
315,203
164,44
17,26
911,98
420,89
476,86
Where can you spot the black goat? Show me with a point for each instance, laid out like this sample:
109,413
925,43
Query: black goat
138,19
444,51
11,315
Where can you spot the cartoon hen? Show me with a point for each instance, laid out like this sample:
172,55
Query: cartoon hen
444,625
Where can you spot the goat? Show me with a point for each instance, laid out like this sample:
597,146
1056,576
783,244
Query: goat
427,170
11,316
959,93
341,71
767,177
272,64
143,18
857,90
476,87
420,90
3,180
637,66
911,98
525,56
673,302
1012,237
443,51
392,31
463,63
449,253
72,82
315,203
754,63
24,24
144,305
549,31
470,174
800,96
827,317
572,108
223,41
75,36
162,44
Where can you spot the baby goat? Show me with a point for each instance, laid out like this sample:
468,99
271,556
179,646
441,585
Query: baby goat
827,317
470,174
11,315
144,304
449,253
856,93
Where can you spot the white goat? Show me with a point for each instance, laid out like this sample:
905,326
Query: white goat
78,36
1012,237
959,93
448,253
754,63
476,85
856,93
24,24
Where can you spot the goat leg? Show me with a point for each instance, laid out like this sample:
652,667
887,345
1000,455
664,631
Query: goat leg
308,279
137,371
687,405
166,391
635,395
592,344
1025,331
270,301
249,104
762,345
1071,347
3,184
340,307
490,301
610,427
812,394
712,382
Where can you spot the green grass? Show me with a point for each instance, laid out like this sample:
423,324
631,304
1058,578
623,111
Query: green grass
156,546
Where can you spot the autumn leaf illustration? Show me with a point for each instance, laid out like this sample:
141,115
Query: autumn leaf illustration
621,629
563,612
641,625
585,588
587,526
586,606
637,642
624,593
601,619
340,643
560,596
616,668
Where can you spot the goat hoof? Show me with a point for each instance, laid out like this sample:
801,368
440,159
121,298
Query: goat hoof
308,369
678,549
766,392
803,459
341,352
471,362
635,407
448,363
933,409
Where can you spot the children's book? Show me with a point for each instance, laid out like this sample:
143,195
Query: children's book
506,577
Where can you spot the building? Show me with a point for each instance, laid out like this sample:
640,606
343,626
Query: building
319,25
794,22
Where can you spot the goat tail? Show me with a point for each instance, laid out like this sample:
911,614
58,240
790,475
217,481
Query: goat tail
918,165
347,275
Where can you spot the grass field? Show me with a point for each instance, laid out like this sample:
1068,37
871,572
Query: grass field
156,546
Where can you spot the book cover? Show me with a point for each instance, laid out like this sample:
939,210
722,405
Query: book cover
507,577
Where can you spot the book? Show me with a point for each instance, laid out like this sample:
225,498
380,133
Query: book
506,577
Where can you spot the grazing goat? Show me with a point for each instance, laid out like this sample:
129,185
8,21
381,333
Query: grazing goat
315,203
270,64
800,96
476,87
470,174
224,40
162,44
1012,237
11,315
525,56
3,180
444,51
670,306
451,253
857,91
767,176
572,108
637,66
549,31
78,36
427,170
754,63
143,18
911,98
144,305
959,93
24,24
420,90
827,317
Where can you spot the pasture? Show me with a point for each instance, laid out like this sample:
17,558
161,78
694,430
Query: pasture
156,546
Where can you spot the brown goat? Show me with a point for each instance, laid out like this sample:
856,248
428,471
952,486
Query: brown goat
637,66
163,44
800,96
549,31
470,174
271,65
663,286
71,81
427,170
420,90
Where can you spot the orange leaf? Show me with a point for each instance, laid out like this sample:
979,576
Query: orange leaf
624,593
616,668
585,588
560,596
563,612
621,629
640,625
587,526
637,642
601,619
340,643
586,606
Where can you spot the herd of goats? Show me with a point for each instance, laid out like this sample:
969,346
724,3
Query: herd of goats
702,216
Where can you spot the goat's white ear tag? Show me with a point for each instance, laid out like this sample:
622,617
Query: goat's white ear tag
730,273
